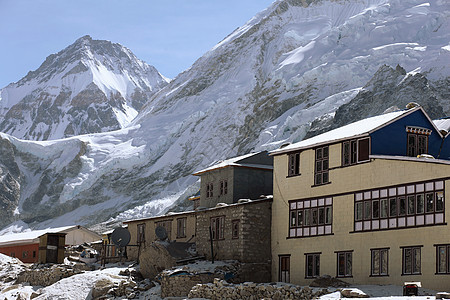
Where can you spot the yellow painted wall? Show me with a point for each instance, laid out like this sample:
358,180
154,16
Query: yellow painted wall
377,173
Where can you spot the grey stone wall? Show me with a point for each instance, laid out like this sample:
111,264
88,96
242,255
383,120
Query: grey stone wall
215,177
253,242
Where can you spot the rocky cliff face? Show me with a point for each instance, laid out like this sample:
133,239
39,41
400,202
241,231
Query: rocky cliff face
91,86
284,73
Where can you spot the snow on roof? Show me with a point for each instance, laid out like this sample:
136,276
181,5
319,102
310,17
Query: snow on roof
30,236
443,124
233,162
359,128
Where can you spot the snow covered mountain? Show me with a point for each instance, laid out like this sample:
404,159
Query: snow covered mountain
283,74
91,86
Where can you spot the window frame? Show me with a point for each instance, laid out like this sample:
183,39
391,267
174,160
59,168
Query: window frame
446,259
413,250
181,227
321,160
223,187
209,190
140,239
310,217
379,272
315,267
294,164
353,154
235,224
348,257
420,144
217,225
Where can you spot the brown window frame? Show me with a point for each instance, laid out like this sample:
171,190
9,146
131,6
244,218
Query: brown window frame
446,270
181,227
223,187
316,217
284,268
294,164
378,271
416,148
312,259
413,258
217,225
322,165
140,233
209,190
348,256
353,154
235,224
406,206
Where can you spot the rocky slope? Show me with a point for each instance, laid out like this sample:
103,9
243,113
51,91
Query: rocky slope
91,86
289,68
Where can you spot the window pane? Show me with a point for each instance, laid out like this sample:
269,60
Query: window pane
407,261
300,218
420,204
341,264
442,265
384,208
317,265
346,154
319,153
439,201
349,264
328,215
367,210
411,145
321,215
318,179
325,177
325,164
375,209
359,211
422,144
318,166
307,217
375,262
363,149
392,207
325,152
430,202
293,218
384,261
314,216
416,265
309,265
411,205
354,153
402,206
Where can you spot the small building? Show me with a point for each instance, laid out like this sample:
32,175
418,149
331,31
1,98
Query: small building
244,177
25,245
366,202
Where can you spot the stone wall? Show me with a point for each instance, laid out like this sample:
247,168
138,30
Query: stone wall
220,289
253,241
180,285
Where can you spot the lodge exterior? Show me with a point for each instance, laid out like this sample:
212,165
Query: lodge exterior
363,204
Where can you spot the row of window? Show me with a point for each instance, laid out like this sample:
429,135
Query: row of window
379,264
25,254
167,225
356,151
409,205
218,225
403,206
223,188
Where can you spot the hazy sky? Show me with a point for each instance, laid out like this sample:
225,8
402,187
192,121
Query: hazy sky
169,35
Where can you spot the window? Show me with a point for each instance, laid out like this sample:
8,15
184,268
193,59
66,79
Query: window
355,151
235,229
411,260
321,166
167,225
410,205
379,262
417,140
344,264
443,259
34,254
312,265
310,217
294,164
209,190
13,254
217,225
181,227
284,266
140,233
24,254
223,187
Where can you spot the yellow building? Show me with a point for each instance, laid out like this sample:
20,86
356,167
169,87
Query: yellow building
363,203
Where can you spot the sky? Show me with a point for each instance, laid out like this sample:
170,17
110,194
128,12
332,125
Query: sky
169,35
